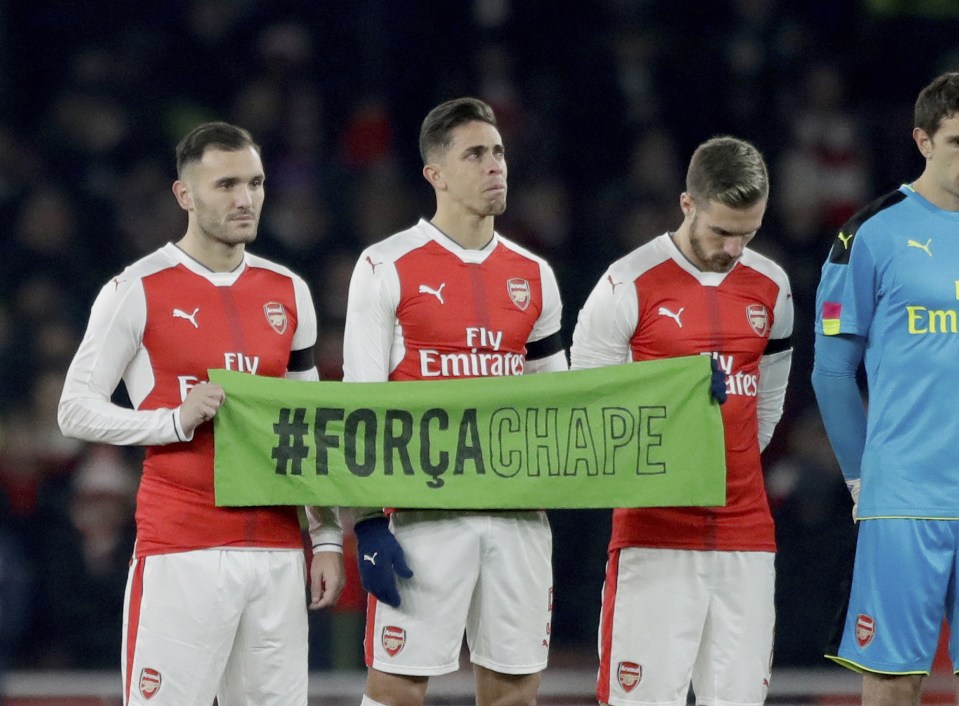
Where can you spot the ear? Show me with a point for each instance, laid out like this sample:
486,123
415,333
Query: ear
184,195
686,204
434,175
923,141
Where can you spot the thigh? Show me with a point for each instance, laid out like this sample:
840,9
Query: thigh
268,664
424,635
654,609
900,581
735,657
180,616
508,626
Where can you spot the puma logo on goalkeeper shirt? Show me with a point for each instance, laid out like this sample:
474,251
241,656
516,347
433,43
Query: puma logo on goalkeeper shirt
438,293
663,311
371,559
180,314
916,244
846,239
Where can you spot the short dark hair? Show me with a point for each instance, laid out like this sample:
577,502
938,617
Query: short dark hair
437,125
728,170
936,102
218,135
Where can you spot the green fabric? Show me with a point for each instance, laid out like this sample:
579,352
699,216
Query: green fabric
638,435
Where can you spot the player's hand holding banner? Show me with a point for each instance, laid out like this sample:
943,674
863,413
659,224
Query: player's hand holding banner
638,435
381,559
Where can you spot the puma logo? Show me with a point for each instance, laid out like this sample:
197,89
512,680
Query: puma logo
370,558
180,314
609,278
846,239
663,311
438,293
373,264
116,283
916,244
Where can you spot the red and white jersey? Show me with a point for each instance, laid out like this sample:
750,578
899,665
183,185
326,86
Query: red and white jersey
159,326
654,303
421,307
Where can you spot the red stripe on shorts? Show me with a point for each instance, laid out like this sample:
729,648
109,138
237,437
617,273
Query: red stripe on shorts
606,626
370,627
133,623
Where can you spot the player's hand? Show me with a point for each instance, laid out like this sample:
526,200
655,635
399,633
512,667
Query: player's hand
326,579
853,487
717,383
381,559
200,405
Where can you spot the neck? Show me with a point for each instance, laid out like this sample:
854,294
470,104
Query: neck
930,189
470,231
212,254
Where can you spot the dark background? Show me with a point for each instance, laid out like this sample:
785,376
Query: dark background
600,104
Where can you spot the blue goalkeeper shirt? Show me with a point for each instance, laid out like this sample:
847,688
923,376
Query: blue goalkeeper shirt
892,278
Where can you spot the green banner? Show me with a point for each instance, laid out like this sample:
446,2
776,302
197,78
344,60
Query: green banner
638,435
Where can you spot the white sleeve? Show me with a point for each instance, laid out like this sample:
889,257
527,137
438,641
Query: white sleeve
773,376
605,324
548,324
551,318
306,327
774,367
326,534
370,321
114,336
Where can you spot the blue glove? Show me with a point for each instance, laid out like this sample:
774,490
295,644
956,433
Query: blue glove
381,559
717,384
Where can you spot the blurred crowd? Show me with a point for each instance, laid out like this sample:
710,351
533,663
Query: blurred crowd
600,104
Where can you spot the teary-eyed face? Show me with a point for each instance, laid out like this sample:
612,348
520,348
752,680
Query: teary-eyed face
472,172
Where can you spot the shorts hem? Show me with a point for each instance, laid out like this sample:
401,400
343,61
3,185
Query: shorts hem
516,670
866,669
619,701
407,671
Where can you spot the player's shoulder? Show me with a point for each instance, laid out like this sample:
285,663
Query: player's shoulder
259,262
521,251
395,246
872,219
765,265
150,264
644,258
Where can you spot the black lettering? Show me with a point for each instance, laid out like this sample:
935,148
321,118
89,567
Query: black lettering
398,434
580,449
443,458
468,444
325,441
366,419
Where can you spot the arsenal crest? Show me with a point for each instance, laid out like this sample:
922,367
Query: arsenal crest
394,639
149,682
865,629
629,675
519,292
758,319
276,316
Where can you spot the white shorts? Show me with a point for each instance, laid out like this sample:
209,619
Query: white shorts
674,616
229,623
489,574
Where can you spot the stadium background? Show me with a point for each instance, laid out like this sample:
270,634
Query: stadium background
600,103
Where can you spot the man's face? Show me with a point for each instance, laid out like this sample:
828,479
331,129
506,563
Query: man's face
718,233
942,152
474,169
227,194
